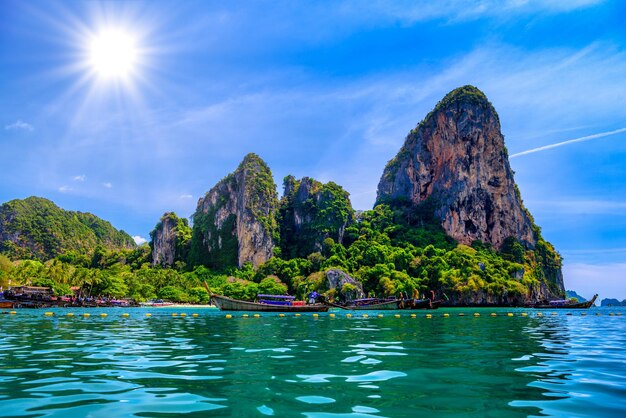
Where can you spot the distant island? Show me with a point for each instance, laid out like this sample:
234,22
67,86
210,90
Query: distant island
449,219
571,294
612,302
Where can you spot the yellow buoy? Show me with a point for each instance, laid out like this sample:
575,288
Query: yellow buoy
245,315
86,315
429,316
365,315
195,315
396,316
493,314
349,315
174,314
476,314
281,315
413,315
183,315
315,315
125,315
553,313
509,314
297,314
380,315
49,314
148,314
70,314
12,313
618,314
539,314
524,314
332,315
229,316
461,314
103,315
611,314
446,315
256,315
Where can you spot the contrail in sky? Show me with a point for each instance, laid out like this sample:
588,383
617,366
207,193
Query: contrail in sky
570,141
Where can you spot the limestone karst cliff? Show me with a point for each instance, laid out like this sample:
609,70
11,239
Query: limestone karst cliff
456,157
310,212
169,240
455,163
235,222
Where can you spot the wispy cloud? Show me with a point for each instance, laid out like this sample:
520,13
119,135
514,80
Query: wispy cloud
81,177
569,141
411,11
19,125
186,196
139,240
65,189
107,185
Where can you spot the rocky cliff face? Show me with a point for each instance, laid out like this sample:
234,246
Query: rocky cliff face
169,240
235,221
456,158
310,212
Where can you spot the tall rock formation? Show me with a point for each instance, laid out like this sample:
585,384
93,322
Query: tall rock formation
455,163
37,228
457,160
169,240
310,212
235,222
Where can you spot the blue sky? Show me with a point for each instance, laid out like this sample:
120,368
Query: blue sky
321,89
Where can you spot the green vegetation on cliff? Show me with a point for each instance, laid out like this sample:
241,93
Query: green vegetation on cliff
37,228
310,212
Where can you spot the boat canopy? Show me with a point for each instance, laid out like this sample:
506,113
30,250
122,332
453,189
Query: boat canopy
287,297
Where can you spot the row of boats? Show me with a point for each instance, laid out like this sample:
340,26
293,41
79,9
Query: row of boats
285,303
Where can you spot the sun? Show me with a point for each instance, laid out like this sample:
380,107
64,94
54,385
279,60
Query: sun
113,54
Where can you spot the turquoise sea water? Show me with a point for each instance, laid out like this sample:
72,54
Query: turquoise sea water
160,366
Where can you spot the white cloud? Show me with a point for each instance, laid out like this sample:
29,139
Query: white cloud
186,196
569,141
139,240
411,11
81,177
608,280
19,125
107,185
65,189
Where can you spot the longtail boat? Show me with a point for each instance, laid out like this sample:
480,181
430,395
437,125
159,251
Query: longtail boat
565,304
267,303
422,304
373,304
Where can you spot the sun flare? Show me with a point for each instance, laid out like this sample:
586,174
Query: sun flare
113,53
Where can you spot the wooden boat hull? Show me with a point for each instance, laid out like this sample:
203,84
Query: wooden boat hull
6,304
582,305
382,306
423,304
227,304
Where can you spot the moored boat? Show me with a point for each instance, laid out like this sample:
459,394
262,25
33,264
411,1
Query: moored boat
373,304
266,304
565,304
422,304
